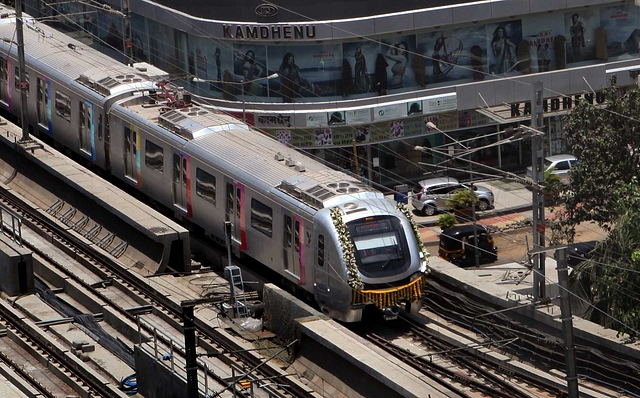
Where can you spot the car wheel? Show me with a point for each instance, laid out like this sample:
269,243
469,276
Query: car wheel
428,210
483,205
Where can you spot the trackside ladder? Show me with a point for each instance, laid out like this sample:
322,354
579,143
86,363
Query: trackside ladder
233,274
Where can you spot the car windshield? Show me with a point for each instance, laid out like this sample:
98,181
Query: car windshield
547,164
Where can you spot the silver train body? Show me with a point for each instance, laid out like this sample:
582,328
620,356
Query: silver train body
210,168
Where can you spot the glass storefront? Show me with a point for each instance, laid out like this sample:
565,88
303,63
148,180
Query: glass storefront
312,71
338,70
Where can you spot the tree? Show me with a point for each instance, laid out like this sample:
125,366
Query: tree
609,280
606,142
446,220
552,186
603,188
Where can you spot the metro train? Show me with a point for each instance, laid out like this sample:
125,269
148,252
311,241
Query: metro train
330,237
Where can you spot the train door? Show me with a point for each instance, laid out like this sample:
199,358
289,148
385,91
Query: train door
18,83
181,183
107,144
293,246
235,211
86,136
43,105
4,81
131,154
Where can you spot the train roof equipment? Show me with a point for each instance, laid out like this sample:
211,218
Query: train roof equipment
65,57
235,146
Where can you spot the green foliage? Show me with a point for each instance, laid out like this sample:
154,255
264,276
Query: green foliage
446,220
462,199
610,278
604,189
552,182
601,138
348,249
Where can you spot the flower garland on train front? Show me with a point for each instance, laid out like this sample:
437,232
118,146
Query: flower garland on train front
348,249
407,213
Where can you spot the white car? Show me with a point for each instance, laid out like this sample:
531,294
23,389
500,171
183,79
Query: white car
560,164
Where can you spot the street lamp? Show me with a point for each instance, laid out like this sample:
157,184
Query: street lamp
196,79
432,126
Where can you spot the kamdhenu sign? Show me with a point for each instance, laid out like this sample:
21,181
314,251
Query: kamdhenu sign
557,104
269,32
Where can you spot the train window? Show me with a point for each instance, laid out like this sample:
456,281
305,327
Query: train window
43,103
154,156
238,202
288,231
130,153
206,186
16,79
4,77
100,126
180,181
63,106
296,236
287,238
229,209
84,127
261,217
321,250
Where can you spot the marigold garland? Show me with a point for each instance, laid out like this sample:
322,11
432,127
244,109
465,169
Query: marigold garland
348,249
407,213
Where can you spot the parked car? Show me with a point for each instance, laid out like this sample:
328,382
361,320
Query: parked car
431,195
457,245
579,252
560,164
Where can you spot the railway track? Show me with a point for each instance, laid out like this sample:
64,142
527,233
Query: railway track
599,368
47,357
101,276
467,368
457,345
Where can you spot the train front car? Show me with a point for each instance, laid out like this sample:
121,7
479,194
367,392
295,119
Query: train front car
368,254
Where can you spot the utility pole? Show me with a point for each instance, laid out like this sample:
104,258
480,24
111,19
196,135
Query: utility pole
567,323
476,250
24,85
190,349
537,168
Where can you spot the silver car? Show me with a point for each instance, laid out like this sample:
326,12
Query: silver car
560,164
430,196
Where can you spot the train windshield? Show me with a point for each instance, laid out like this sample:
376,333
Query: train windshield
380,244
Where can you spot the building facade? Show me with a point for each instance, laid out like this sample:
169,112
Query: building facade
362,83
